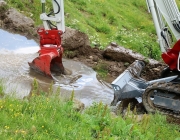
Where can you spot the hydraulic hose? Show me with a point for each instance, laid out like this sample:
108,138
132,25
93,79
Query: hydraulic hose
58,7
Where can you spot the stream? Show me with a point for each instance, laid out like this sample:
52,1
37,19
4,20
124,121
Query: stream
15,53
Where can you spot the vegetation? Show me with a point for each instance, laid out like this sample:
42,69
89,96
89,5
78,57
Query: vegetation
101,70
46,116
126,22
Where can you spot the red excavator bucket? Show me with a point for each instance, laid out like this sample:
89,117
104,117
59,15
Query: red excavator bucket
50,53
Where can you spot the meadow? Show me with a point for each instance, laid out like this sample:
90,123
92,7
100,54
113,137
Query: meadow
46,116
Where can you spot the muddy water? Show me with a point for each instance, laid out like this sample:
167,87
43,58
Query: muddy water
15,53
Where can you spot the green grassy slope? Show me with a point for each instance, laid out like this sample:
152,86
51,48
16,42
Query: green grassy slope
126,22
47,117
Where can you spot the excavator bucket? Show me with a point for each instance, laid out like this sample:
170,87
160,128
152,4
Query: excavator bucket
50,53
129,83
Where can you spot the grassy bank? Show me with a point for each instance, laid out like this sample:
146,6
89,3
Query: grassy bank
46,116
126,22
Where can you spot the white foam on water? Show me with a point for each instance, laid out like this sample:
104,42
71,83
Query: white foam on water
12,41
27,50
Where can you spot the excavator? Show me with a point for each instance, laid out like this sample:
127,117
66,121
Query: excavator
51,50
160,95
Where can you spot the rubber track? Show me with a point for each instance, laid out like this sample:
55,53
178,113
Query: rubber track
166,87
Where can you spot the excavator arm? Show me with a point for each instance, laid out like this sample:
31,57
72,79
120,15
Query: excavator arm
58,11
166,18
50,54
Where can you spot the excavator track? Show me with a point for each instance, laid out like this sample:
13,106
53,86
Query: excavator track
163,88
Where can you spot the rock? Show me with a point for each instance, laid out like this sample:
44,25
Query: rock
120,54
114,44
78,105
18,20
95,58
90,57
75,40
2,3
156,69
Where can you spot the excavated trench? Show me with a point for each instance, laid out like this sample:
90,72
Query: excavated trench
15,53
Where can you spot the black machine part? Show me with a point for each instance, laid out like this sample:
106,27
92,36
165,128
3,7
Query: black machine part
163,97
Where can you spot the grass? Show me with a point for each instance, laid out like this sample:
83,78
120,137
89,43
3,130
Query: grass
101,70
126,22
47,116
1,88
